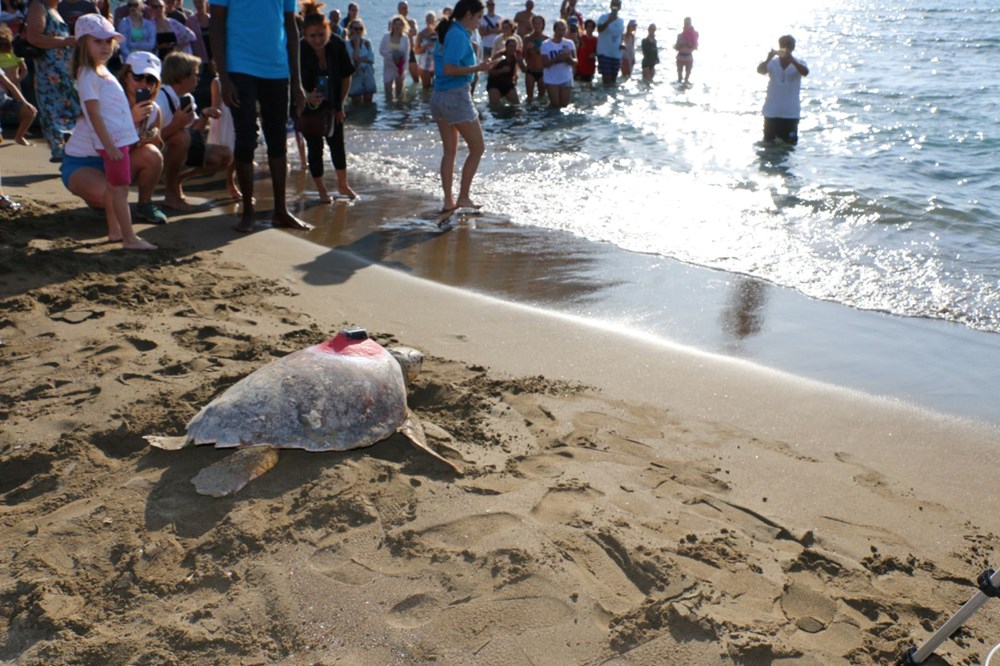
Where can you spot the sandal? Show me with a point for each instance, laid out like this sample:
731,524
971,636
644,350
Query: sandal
6,203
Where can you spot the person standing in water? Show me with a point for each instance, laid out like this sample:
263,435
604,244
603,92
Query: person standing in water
782,108
610,30
455,67
559,56
686,45
650,54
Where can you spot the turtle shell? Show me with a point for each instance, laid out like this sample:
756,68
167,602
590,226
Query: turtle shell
342,394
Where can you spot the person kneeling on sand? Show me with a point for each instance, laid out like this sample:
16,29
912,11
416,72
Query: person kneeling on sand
140,78
183,130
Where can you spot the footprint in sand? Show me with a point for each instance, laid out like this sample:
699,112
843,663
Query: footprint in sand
331,562
565,501
76,316
471,530
414,611
808,608
15,471
142,345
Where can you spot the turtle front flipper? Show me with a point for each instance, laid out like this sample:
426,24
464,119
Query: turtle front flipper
414,432
167,443
235,471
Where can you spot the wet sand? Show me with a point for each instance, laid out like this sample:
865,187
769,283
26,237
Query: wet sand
933,364
624,500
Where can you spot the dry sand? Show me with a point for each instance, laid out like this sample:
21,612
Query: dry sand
624,502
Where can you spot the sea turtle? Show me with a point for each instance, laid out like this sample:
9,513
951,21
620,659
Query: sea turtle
346,393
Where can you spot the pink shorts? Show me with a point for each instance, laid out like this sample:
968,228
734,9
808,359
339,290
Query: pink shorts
120,172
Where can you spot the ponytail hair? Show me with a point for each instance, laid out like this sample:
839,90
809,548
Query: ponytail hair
312,14
462,8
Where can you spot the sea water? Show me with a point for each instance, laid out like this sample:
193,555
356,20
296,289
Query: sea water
890,203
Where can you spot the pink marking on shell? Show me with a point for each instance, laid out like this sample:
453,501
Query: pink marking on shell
341,344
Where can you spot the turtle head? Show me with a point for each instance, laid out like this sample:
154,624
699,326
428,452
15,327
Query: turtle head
410,360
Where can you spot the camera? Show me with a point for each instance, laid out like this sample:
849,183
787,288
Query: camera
143,95
186,102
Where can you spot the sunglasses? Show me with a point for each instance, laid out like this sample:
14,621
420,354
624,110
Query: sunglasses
133,5
356,28
148,78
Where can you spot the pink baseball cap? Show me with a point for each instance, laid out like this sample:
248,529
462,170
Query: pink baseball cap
96,26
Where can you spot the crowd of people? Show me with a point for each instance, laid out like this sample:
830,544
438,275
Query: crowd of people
155,93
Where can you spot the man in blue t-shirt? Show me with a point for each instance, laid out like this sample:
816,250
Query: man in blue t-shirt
255,46
610,29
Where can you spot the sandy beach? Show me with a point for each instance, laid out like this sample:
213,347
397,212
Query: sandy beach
623,501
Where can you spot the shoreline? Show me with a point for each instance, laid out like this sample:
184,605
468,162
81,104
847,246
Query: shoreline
625,500
931,364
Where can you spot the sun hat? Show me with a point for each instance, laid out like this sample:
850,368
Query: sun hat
96,26
143,62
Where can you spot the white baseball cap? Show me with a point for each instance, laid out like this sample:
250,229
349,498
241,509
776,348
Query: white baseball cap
97,26
143,62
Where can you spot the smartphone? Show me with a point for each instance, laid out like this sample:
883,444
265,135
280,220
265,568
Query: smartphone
143,95
321,84
186,102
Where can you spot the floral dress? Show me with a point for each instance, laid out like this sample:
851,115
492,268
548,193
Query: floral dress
55,89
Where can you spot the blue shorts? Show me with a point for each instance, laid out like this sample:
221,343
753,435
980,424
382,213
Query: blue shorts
608,66
71,163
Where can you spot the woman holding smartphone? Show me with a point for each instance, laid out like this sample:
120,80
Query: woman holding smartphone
140,77
455,66
326,74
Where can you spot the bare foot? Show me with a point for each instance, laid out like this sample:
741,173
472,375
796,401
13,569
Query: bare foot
234,191
467,203
325,197
114,239
289,221
177,203
21,140
245,224
138,244
347,192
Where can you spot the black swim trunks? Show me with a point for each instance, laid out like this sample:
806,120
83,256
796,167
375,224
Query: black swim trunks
786,129
502,85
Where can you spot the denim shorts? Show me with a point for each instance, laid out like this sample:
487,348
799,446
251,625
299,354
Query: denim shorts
71,163
453,106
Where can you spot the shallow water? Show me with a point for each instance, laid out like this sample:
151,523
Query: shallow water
891,202
889,205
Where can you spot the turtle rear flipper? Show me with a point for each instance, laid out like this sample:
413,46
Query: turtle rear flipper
235,471
414,431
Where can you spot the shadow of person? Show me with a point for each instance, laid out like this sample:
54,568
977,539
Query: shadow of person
743,316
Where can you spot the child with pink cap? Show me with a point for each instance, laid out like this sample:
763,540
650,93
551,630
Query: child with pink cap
106,127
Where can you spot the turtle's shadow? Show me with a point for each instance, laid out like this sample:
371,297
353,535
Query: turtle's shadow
173,501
